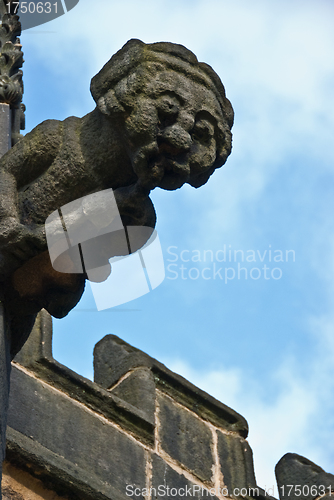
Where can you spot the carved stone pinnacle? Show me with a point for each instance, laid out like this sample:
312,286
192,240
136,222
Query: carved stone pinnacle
11,60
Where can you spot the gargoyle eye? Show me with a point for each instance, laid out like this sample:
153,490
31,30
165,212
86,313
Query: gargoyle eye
203,131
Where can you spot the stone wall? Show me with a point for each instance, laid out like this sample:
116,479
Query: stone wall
139,431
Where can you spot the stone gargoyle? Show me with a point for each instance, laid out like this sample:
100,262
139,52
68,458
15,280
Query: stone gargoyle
161,120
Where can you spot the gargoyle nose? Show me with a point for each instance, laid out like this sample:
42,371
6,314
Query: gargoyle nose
176,139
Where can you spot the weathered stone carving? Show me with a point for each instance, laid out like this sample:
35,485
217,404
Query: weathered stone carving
11,60
161,120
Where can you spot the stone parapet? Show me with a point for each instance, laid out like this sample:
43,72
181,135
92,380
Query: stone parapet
139,431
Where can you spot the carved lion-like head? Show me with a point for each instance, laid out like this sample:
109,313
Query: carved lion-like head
177,120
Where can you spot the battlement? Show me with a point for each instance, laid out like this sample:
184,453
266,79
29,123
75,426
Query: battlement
138,431
137,428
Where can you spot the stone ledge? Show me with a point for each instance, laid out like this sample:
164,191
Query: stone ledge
115,360
55,436
55,472
36,358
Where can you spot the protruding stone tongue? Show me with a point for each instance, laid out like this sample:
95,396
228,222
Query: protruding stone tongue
300,479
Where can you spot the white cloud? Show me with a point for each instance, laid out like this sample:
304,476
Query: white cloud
277,66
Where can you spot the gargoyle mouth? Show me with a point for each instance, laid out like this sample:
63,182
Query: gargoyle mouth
159,166
173,173
172,166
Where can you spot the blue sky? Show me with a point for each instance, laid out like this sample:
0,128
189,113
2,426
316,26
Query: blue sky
265,347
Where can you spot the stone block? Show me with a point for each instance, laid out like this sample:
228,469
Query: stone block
185,438
236,462
113,358
65,428
170,484
138,389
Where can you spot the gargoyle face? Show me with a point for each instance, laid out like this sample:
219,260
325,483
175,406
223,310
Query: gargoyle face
175,132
